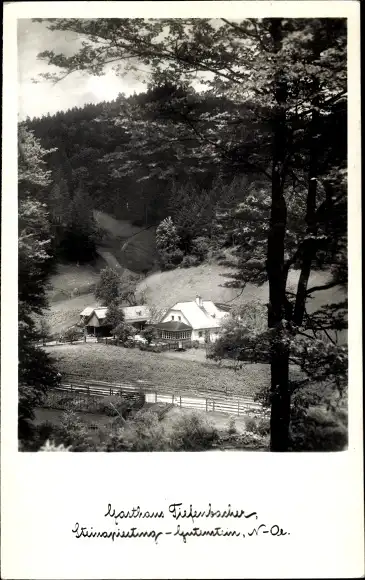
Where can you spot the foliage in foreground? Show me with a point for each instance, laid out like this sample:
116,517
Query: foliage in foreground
36,369
315,430
142,432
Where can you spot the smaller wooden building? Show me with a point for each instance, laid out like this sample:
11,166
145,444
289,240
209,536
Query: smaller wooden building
93,318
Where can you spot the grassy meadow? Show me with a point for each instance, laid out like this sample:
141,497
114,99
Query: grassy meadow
167,374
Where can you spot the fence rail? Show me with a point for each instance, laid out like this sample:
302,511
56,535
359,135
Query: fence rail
228,405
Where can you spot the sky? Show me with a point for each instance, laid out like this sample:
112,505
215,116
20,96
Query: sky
35,100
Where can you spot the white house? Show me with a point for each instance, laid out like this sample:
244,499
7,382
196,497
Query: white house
198,320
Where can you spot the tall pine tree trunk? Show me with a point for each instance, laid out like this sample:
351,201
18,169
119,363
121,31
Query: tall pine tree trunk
280,395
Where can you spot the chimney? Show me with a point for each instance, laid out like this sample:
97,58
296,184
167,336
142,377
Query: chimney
199,300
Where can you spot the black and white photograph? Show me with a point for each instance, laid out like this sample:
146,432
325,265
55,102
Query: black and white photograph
182,234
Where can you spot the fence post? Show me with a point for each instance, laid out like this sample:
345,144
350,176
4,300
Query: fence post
71,387
88,389
180,400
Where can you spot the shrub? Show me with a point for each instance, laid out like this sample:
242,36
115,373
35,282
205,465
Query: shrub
149,333
258,426
170,260
252,441
190,261
200,247
319,430
250,424
232,430
145,433
148,348
263,427
192,433
124,332
73,333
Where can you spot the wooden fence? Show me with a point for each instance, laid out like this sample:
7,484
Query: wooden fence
159,346
228,405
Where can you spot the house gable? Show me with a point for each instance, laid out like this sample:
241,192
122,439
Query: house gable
174,314
93,321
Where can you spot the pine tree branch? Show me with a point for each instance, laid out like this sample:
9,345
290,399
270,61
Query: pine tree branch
322,287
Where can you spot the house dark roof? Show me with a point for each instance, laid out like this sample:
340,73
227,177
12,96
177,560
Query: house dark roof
172,325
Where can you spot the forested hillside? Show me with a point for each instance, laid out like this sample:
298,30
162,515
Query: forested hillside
88,138
133,160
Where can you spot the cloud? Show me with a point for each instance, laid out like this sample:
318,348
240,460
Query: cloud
35,100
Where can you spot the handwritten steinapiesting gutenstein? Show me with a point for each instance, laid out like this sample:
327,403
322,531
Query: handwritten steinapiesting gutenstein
182,522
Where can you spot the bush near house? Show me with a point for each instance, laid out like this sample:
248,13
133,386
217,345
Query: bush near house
124,332
72,334
150,334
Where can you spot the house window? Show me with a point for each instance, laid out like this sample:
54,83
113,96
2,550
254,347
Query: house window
200,333
179,317
172,318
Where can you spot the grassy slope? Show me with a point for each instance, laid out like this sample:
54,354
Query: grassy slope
70,277
163,289
64,313
112,363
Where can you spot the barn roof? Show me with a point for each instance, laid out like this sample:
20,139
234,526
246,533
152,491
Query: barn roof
101,312
135,313
87,311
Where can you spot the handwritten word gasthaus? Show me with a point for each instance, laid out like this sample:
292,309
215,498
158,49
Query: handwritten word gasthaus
178,512
135,512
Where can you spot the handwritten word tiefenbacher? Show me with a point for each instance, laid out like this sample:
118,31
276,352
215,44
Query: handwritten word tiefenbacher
177,512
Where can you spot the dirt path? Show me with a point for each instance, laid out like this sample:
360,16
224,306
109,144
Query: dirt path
109,258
